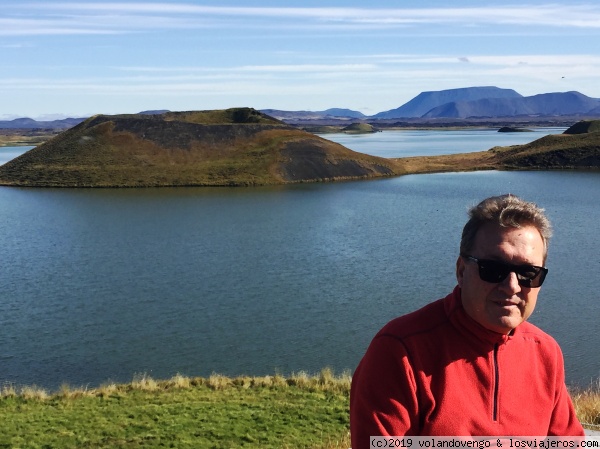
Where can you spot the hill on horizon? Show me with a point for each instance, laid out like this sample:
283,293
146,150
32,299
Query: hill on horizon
462,103
331,113
551,104
239,146
29,123
425,101
468,103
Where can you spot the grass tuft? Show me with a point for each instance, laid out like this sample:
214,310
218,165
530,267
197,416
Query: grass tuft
145,383
218,382
179,381
244,382
587,405
301,380
107,390
34,393
67,392
8,391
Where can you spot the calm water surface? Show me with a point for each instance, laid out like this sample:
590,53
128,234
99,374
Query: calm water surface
405,143
8,153
100,285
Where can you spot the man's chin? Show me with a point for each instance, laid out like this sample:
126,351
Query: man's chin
507,324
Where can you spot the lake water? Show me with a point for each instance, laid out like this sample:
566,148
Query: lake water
8,153
406,143
101,285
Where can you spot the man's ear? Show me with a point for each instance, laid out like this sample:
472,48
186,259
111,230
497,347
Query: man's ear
460,270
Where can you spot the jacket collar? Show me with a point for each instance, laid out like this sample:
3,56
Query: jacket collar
468,326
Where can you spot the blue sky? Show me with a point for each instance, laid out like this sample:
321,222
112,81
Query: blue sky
78,58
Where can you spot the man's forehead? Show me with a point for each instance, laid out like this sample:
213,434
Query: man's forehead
498,242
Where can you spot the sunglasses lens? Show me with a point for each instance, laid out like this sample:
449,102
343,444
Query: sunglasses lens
527,276
533,277
490,271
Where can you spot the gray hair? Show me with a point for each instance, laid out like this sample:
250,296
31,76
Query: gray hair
507,211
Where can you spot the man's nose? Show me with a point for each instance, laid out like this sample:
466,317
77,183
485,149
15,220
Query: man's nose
511,284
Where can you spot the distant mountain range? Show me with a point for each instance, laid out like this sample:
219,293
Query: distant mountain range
28,123
554,104
425,102
333,113
463,103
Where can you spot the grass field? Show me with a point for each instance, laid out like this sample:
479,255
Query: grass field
16,138
299,411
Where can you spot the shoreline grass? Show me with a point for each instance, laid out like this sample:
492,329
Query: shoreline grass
587,405
297,411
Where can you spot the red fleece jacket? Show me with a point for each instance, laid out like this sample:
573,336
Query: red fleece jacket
438,372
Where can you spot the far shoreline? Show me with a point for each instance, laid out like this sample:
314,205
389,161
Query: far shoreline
33,137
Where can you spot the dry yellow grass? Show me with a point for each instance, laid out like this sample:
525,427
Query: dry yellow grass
587,405
20,137
326,380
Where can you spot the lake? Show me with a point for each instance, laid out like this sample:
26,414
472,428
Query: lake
101,285
406,143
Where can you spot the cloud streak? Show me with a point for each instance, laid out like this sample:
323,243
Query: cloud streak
110,18
377,68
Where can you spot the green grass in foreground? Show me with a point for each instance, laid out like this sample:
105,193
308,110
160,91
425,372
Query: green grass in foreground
299,411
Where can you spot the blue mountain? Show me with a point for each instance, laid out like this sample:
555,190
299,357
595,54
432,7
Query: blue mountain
426,101
551,104
339,112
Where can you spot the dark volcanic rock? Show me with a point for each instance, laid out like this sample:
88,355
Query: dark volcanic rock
310,161
512,129
584,127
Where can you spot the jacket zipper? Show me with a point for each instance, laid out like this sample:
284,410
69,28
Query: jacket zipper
496,381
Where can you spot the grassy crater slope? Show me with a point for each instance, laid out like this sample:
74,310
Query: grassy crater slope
552,152
359,128
238,146
245,147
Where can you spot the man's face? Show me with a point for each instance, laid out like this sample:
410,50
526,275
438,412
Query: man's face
500,307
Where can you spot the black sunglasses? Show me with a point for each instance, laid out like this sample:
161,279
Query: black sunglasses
494,271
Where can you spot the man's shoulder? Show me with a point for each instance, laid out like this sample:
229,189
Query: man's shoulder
529,331
423,320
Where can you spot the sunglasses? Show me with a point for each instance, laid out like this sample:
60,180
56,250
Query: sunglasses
495,272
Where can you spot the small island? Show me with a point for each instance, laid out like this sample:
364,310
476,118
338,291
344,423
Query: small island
359,128
513,129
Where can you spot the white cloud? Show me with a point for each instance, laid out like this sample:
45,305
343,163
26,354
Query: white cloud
586,15
380,72
296,68
537,60
107,18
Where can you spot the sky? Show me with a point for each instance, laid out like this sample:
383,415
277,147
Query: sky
78,58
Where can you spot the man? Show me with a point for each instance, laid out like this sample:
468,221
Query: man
470,363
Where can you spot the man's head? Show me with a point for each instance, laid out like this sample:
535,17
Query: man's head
503,244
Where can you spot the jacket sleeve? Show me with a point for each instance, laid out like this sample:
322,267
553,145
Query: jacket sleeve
383,396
